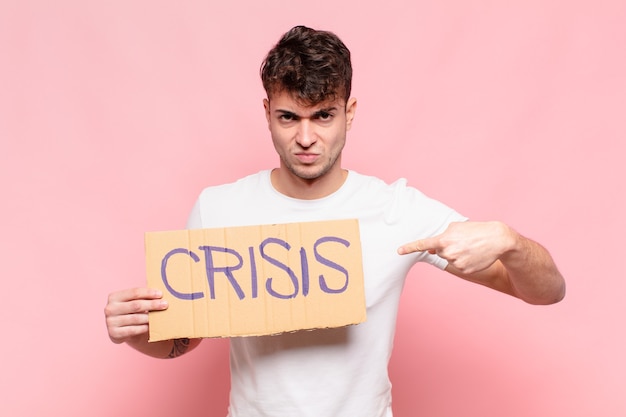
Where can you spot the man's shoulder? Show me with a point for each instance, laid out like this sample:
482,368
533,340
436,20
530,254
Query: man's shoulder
249,182
375,184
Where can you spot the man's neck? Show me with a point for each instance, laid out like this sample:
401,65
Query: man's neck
307,189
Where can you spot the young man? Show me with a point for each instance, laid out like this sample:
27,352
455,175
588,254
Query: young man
307,77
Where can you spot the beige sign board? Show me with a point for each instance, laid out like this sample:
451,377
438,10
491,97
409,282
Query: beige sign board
256,280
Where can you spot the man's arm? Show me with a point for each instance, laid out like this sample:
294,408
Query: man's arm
126,316
494,255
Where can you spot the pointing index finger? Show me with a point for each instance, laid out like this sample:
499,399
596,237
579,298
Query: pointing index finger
430,244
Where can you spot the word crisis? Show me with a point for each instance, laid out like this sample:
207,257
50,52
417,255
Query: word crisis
300,280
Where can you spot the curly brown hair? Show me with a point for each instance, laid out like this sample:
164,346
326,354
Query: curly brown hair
313,65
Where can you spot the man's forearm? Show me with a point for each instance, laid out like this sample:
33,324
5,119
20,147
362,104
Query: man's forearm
165,349
532,273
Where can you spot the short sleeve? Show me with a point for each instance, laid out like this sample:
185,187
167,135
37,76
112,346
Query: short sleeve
194,221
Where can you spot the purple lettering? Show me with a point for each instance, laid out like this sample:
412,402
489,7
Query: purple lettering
211,269
304,266
182,296
268,283
253,278
330,264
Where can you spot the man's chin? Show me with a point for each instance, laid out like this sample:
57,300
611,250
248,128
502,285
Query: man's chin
307,172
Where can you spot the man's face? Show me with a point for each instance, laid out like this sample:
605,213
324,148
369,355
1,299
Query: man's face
309,139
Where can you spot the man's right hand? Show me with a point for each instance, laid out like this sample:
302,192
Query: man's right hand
126,313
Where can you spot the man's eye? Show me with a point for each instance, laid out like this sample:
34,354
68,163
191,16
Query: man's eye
287,117
324,115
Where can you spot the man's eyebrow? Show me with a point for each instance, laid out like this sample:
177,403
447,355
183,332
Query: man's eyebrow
316,113
325,110
289,112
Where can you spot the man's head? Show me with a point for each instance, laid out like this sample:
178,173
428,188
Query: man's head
312,66
307,77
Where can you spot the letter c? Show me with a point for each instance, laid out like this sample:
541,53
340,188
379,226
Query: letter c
182,296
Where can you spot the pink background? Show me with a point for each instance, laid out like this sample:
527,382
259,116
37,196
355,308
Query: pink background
114,115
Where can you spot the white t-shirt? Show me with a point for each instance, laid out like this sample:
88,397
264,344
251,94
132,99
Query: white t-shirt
329,372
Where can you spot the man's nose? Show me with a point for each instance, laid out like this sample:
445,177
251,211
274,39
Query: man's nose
306,134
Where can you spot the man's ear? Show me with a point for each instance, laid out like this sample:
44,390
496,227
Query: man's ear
266,106
350,111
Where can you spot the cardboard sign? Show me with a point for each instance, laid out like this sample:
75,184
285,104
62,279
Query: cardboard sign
256,280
